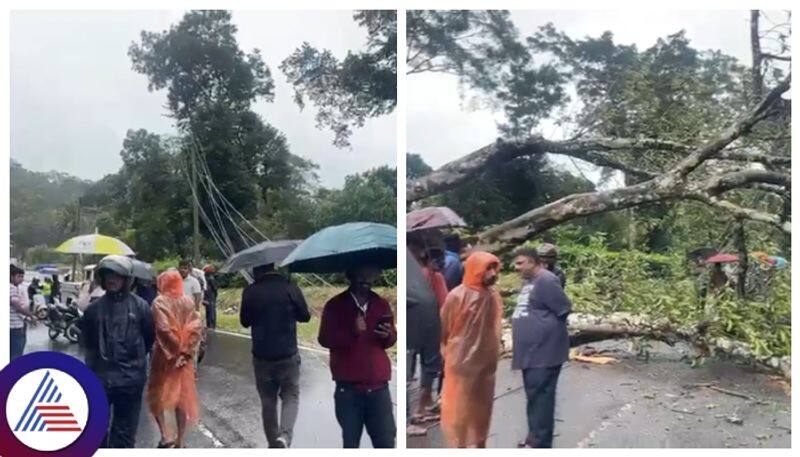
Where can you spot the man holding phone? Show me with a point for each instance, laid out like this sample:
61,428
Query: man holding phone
358,326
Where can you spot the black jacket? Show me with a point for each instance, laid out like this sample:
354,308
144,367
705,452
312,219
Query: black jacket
272,306
117,332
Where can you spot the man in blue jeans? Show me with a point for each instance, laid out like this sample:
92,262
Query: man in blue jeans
358,327
19,312
541,343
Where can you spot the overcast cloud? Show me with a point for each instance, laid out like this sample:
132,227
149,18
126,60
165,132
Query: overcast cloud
74,94
441,128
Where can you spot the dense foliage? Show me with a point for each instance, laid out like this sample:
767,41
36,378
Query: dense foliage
347,92
667,286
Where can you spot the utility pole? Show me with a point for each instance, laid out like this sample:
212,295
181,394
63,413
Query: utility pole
77,232
195,213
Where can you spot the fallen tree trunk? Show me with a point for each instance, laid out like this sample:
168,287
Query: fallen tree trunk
589,328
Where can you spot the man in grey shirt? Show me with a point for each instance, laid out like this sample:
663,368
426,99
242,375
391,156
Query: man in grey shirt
541,343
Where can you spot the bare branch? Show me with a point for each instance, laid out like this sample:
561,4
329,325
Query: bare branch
742,127
766,159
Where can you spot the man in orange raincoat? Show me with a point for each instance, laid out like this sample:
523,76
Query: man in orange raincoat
471,324
172,381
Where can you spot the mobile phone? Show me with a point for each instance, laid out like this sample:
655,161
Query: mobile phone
385,319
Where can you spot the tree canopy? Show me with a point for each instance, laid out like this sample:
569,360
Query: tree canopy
347,92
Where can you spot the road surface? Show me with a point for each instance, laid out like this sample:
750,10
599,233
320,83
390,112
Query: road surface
230,411
634,404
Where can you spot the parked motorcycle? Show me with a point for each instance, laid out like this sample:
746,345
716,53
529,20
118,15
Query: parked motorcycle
63,319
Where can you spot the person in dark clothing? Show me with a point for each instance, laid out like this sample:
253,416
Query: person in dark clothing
548,252
210,297
145,290
357,327
33,289
453,269
117,333
272,306
540,343
55,289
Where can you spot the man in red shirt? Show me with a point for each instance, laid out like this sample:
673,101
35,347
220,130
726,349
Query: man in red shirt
357,327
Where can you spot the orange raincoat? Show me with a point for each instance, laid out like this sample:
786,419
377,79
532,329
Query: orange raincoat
178,332
471,325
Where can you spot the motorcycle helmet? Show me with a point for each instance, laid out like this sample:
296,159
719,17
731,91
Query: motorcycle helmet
118,264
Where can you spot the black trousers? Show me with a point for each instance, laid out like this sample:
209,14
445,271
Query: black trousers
358,409
278,379
540,390
125,404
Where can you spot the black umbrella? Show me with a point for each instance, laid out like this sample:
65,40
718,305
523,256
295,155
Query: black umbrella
143,270
260,254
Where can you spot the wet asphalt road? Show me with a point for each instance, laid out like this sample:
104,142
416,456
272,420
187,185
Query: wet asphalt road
230,411
634,404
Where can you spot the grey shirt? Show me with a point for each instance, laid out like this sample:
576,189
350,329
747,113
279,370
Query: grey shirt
539,324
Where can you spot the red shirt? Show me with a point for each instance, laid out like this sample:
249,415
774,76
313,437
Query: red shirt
438,284
357,357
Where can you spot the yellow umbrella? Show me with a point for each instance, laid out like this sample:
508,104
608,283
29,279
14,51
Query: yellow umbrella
94,244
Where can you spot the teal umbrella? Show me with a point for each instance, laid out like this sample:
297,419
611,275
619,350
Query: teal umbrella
335,249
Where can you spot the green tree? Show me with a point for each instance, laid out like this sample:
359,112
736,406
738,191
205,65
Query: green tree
347,92
369,197
211,85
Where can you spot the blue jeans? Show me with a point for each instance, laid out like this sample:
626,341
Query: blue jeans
211,313
540,390
18,340
358,409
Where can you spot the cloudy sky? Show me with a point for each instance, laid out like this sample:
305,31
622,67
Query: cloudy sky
74,94
441,128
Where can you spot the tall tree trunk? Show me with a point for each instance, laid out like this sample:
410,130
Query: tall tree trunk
755,48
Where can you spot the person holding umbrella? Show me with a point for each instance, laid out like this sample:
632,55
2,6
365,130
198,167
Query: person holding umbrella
272,306
358,327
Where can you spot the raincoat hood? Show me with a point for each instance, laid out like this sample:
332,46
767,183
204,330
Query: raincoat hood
170,283
475,267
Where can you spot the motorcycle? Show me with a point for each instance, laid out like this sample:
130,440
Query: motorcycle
63,319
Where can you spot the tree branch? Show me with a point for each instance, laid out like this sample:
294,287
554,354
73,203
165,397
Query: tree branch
460,170
766,159
739,128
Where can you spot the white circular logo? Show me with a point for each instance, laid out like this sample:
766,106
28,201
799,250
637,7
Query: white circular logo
47,409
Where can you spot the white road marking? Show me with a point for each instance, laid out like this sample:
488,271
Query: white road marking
205,431
603,425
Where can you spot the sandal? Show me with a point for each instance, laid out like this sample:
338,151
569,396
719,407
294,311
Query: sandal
416,430
166,444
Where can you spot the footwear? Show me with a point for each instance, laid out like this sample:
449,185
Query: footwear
281,442
165,444
416,430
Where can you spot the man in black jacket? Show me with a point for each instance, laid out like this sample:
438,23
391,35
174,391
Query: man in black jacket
272,306
117,332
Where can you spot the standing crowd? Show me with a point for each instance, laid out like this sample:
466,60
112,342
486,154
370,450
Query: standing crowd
144,342
471,317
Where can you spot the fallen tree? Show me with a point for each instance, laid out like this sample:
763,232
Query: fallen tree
747,154
589,328
674,184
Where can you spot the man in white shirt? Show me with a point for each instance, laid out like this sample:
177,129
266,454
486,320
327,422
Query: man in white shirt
191,286
19,312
